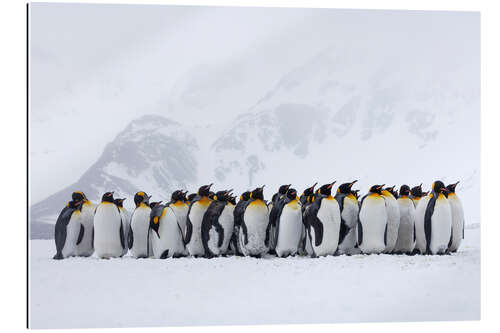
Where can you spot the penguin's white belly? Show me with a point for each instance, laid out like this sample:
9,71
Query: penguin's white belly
139,226
195,245
350,216
441,226
421,243
373,219
181,211
393,220
107,222
72,232
329,215
213,241
256,219
457,219
86,248
226,219
169,242
406,235
290,230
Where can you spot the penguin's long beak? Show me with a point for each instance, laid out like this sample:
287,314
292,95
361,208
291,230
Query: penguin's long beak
209,186
262,188
381,186
350,185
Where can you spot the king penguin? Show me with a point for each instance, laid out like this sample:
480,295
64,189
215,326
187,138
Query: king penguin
349,210
125,220
138,236
197,209
433,221
416,194
180,208
406,234
67,231
372,222
254,225
457,218
166,234
85,247
274,208
238,217
212,231
226,220
109,240
289,225
393,217
323,222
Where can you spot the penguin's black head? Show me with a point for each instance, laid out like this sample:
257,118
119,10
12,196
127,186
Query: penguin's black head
451,187
75,204
155,203
438,187
258,193
211,195
417,191
141,197
191,196
404,190
283,188
177,196
326,189
184,197
119,202
245,196
222,195
232,200
346,188
108,197
275,197
376,188
309,191
204,191
291,193
78,196
356,193
391,190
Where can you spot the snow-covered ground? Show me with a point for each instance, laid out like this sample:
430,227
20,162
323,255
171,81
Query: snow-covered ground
88,292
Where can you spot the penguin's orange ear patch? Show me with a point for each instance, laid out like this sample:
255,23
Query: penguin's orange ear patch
155,219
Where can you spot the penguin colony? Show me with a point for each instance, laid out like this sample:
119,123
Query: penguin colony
317,223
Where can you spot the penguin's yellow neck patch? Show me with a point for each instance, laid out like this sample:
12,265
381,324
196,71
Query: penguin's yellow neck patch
178,203
329,198
204,201
142,205
257,202
441,196
107,203
294,204
352,197
451,194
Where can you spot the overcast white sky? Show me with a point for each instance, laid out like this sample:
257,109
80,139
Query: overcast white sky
94,68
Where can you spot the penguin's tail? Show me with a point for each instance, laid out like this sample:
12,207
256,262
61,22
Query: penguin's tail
58,256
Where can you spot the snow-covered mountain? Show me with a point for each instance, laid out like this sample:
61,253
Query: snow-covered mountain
338,117
152,154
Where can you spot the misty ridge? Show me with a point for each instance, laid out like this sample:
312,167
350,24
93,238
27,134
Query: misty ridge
393,101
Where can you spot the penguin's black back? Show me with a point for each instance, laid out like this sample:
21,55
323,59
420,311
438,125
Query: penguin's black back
60,229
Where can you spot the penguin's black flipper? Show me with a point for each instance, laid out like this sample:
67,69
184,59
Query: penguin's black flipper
451,238
463,231
414,233
60,232
245,231
318,230
360,233
189,230
122,235
130,238
344,230
385,235
428,222
93,237
80,234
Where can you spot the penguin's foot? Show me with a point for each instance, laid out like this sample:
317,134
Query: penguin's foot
58,256
164,255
